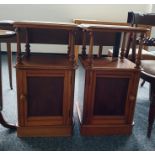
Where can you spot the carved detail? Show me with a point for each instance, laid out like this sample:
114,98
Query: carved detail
90,55
71,47
84,43
27,45
138,58
19,54
123,46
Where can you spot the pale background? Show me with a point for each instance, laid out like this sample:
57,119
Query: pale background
68,12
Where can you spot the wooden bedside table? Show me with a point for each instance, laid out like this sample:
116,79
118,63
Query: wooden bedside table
45,81
107,87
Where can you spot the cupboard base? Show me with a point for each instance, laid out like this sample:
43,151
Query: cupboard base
44,131
99,130
103,129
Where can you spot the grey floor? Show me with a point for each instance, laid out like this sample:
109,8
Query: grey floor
136,141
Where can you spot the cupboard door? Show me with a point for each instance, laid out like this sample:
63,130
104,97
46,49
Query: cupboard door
110,97
46,100
45,96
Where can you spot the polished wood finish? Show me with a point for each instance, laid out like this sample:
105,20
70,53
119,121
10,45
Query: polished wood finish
4,34
45,81
100,22
45,25
103,109
10,63
107,86
85,21
128,23
114,29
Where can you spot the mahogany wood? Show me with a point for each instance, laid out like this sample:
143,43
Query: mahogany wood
148,33
10,63
45,81
109,86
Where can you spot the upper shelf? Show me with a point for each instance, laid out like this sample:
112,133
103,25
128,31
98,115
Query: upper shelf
45,61
108,63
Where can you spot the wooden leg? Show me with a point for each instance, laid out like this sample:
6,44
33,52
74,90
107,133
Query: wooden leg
5,124
76,47
10,63
2,121
100,51
151,111
142,83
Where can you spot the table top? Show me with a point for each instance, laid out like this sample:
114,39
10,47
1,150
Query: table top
44,24
6,22
6,33
111,28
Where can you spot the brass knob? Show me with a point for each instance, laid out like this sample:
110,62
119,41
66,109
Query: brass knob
22,98
132,97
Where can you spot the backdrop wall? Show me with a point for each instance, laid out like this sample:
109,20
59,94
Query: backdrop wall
66,13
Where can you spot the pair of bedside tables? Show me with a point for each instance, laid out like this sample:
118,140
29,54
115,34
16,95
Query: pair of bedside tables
105,88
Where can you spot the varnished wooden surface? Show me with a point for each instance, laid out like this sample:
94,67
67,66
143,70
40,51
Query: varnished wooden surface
101,22
93,28
43,24
108,63
118,28
49,74
85,21
59,116
98,130
114,105
103,109
110,86
50,100
32,65
44,131
46,61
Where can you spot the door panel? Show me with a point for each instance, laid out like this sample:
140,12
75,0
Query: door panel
110,96
45,96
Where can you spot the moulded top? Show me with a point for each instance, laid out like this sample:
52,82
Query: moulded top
112,28
45,24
